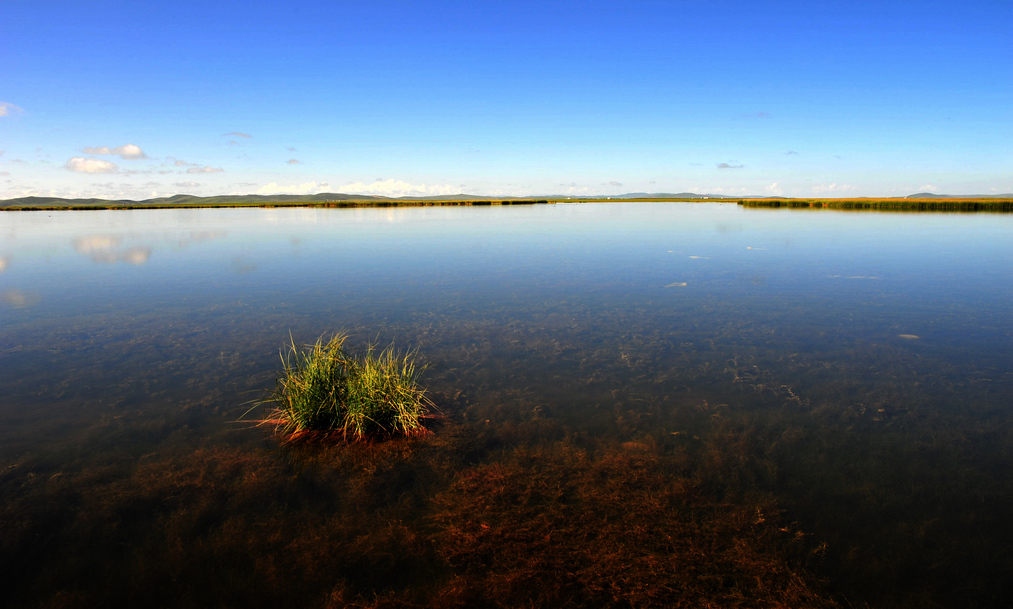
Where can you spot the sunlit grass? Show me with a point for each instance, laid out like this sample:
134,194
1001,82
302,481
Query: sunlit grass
324,391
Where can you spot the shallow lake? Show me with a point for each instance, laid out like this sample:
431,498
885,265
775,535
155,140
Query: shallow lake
643,404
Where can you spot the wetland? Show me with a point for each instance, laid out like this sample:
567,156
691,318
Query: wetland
641,405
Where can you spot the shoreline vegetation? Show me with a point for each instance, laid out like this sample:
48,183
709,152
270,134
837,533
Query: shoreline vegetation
997,205
112,205
920,202
326,393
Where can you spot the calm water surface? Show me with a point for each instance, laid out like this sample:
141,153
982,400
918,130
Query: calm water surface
845,378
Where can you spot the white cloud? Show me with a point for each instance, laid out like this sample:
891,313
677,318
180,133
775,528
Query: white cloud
573,189
398,188
775,189
83,190
294,162
7,109
88,165
126,151
728,166
205,170
833,187
187,184
306,188
237,134
928,188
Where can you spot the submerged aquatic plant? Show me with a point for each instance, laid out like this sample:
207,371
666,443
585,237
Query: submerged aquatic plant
324,391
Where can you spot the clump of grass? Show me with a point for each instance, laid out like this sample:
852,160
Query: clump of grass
324,391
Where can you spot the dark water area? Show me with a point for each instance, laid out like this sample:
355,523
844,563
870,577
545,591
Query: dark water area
643,405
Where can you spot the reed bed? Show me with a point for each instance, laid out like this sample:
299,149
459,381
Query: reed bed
996,205
326,392
100,204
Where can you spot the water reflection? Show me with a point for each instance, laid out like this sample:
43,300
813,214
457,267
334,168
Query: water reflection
106,250
199,237
20,299
242,266
753,418
88,245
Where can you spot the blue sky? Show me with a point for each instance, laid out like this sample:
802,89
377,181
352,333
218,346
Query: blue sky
137,99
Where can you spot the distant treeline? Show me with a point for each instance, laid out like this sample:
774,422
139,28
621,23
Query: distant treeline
964,205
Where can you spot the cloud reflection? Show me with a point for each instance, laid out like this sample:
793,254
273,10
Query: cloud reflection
241,266
197,237
136,255
105,250
4,263
18,299
87,245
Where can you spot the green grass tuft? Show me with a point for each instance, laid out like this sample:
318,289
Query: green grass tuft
324,391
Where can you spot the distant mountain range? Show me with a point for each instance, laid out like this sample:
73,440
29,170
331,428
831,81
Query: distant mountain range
324,197
929,195
186,200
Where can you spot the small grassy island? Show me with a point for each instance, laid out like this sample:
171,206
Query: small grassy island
324,392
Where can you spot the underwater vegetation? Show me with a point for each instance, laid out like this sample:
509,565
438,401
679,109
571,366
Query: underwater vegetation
324,391
675,472
602,441
573,522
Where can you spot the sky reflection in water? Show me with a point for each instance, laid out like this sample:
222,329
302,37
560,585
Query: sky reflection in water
783,281
129,332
